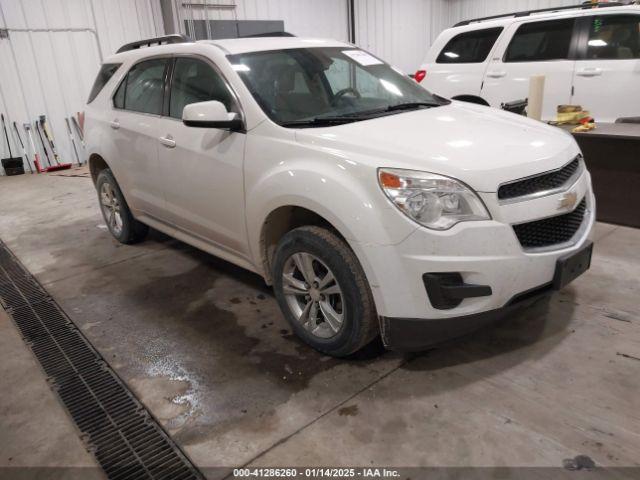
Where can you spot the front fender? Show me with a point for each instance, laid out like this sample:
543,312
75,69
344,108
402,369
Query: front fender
342,190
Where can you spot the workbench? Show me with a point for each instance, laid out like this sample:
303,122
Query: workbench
612,155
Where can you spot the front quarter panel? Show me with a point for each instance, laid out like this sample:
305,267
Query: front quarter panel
337,186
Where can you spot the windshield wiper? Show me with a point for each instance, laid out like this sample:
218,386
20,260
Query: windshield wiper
391,108
411,106
357,116
323,121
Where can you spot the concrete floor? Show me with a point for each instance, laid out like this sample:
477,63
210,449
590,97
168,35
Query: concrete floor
35,430
204,346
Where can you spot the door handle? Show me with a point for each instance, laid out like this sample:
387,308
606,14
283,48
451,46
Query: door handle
496,74
589,72
168,141
115,124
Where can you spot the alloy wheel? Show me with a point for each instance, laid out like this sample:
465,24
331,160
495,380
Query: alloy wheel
111,208
313,294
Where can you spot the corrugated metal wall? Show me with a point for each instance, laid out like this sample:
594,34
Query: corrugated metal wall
51,72
400,32
56,70
310,18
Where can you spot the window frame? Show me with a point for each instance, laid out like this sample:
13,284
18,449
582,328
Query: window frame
501,30
573,41
584,31
93,95
169,82
126,76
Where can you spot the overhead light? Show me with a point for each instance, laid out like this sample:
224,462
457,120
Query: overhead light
240,68
597,43
451,55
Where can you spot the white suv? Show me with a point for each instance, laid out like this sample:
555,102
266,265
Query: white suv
590,57
372,206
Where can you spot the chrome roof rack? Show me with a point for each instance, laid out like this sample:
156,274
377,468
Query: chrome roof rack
176,38
526,13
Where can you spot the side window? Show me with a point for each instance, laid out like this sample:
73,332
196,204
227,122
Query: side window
541,41
196,81
143,88
469,47
614,37
104,75
118,98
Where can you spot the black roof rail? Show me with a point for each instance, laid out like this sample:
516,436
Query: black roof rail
268,34
175,38
585,5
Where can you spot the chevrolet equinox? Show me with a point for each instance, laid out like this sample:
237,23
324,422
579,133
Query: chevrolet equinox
372,206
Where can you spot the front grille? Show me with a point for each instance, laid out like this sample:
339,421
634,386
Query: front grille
539,183
551,231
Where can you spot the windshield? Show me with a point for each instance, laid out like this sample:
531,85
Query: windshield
320,86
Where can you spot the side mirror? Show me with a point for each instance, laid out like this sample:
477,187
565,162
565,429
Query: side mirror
211,114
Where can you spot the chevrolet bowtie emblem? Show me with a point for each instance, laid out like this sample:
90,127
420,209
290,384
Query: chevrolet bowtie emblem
568,201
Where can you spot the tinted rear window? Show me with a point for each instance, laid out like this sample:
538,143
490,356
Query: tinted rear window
143,88
614,37
104,75
469,47
541,41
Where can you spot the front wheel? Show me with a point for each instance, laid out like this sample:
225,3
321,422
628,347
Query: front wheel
323,292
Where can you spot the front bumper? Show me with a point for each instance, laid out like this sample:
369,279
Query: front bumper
484,253
415,334
406,334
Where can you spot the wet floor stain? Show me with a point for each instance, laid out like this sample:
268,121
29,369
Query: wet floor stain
168,398
180,317
186,316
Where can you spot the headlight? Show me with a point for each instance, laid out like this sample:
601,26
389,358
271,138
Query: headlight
432,200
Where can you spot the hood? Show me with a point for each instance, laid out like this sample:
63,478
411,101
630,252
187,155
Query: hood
481,146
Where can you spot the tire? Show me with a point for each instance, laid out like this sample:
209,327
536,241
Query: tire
117,215
353,305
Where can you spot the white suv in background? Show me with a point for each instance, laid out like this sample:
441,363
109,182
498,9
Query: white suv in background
590,57
372,206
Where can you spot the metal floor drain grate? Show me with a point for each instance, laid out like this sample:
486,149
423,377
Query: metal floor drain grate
125,439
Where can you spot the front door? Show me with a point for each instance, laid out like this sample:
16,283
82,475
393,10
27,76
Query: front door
535,48
202,168
607,77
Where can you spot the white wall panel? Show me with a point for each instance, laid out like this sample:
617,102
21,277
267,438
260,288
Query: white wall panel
56,70
400,32
51,72
310,18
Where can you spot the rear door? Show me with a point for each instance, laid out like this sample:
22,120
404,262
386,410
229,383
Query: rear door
607,76
135,119
202,168
533,48
460,65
